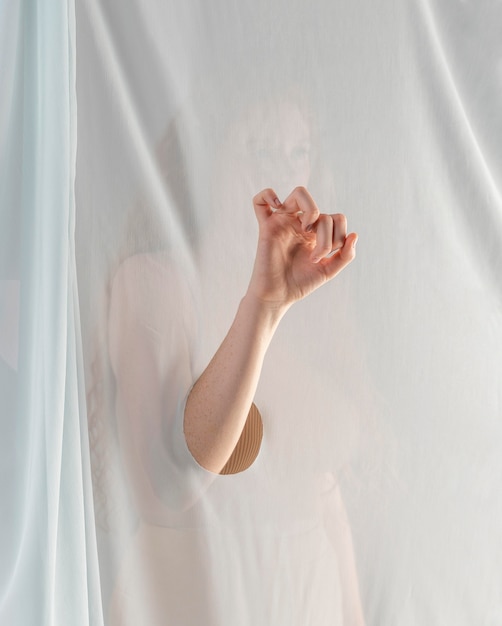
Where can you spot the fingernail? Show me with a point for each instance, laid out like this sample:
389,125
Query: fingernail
277,202
315,259
354,243
309,228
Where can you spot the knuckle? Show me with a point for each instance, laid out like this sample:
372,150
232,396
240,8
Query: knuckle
262,194
300,189
324,248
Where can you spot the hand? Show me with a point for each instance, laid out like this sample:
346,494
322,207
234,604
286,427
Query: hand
299,248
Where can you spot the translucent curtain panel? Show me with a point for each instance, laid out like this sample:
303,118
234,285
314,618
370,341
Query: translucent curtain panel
48,567
375,494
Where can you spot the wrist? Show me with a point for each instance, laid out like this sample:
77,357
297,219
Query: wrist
266,312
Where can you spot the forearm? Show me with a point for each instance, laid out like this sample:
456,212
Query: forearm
220,400
299,249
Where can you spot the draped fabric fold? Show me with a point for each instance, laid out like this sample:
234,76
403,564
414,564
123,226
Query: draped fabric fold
127,239
49,572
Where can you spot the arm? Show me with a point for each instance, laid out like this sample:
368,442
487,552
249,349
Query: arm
292,260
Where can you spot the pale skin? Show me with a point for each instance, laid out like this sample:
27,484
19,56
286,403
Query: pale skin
299,249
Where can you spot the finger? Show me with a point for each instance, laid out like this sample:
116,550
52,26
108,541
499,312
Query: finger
339,230
342,257
324,230
331,231
301,202
265,203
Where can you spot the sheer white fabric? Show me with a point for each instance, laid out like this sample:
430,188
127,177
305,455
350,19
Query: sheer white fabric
49,563
374,498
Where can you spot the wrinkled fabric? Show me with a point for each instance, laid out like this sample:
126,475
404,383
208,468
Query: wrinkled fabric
374,496
49,571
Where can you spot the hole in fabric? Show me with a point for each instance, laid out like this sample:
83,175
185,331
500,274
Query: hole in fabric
248,446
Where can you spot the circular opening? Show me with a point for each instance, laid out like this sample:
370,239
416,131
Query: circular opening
248,446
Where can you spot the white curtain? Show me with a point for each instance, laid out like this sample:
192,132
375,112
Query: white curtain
49,571
374,498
